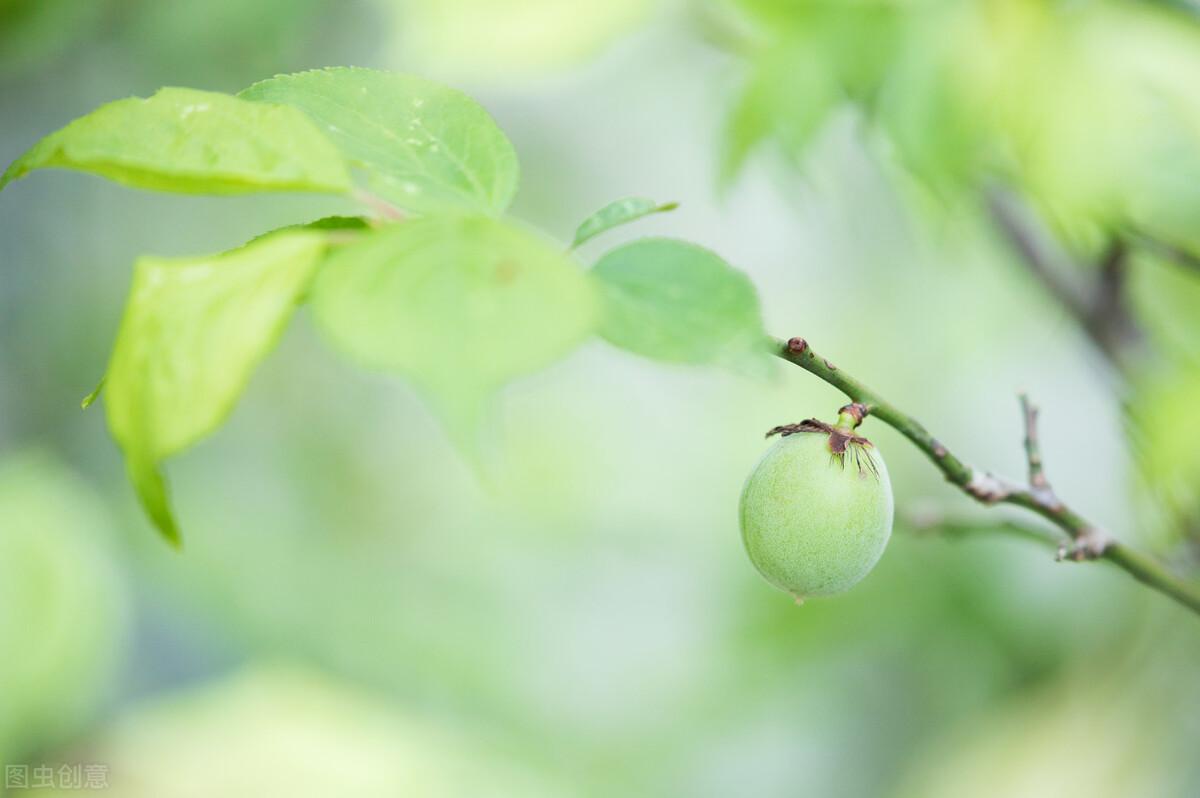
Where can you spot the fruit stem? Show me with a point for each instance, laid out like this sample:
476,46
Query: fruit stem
850,416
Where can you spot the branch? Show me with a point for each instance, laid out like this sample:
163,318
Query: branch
1178,255
1098,305
1086,541
927,523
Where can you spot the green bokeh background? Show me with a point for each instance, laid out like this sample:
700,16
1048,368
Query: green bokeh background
357,612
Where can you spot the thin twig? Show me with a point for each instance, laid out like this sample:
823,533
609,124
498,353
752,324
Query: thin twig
1086,540
1178,255
937,524
1033,451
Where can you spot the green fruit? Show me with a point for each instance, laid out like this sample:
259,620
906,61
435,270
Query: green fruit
816,512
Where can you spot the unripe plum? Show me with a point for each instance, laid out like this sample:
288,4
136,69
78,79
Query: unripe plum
816,512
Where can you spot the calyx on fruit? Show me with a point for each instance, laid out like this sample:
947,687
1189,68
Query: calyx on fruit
816,512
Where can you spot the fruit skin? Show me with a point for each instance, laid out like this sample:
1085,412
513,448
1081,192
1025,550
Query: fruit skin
814,523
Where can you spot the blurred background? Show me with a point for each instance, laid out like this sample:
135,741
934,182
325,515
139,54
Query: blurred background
954,201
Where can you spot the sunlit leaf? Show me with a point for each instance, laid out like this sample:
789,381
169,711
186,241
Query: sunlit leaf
616,214
193,332
460,305
424,146
673,301
497,40
194,142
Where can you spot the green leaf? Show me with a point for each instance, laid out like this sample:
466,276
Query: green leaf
424,146
193,142
460,305
326,223
788,97
616,214
1165,428
193,332
673,301
91,398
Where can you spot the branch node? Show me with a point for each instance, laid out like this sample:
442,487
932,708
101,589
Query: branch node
987,488
1089,544
797,345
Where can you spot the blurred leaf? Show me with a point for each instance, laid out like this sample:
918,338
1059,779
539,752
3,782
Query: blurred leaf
673,301
495,40
1165,295
460,305
1027,747
324,223
288,731
62,607
807,59
788,96
334,223
1166,435
926,108
193,332
33,32
221,43
616,214
425,147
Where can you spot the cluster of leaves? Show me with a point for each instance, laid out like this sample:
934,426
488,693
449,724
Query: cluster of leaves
1088,112
442,288
1091,110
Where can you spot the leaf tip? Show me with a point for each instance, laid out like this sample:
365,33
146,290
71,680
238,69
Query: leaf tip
151,491
91,398
10,174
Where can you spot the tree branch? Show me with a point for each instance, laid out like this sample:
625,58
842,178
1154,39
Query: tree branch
1178,255
1099,305
1086,540
944,526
